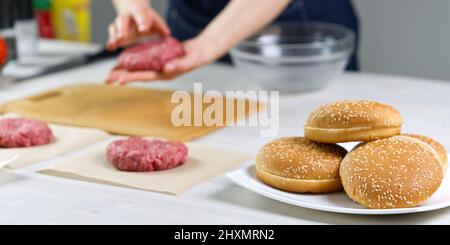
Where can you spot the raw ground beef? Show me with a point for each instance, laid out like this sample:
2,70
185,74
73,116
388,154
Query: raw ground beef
139,155
150,56
21,132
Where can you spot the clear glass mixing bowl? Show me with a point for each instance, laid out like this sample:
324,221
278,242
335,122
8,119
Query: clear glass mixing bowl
295,57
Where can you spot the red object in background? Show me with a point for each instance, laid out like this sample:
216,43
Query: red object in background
44,21
3,52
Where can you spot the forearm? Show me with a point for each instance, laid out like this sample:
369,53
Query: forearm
238,21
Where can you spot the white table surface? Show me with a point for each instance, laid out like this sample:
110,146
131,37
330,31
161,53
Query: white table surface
30,198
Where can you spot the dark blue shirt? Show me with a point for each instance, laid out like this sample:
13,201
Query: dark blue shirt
187,18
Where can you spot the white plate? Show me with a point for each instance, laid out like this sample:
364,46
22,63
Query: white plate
335,202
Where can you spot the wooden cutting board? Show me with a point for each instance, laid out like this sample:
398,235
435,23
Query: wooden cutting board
118,110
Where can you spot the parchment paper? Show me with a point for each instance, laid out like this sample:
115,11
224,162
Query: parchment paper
121,110
204,163
67,139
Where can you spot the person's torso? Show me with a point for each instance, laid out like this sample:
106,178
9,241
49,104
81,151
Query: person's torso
202,11
187,18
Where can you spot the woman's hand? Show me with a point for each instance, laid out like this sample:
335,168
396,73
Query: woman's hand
199,52
135,20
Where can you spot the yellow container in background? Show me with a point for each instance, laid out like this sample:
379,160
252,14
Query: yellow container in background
72,19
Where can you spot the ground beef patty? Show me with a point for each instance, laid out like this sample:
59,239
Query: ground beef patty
21,132
139,155
150,56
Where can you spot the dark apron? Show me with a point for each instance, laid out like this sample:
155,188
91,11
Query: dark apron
187,18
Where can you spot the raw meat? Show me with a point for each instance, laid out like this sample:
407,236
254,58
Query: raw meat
151,56
21,132
139,155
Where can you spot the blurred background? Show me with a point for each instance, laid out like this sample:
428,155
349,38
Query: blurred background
403,37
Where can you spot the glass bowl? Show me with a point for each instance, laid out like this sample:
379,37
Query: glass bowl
295,57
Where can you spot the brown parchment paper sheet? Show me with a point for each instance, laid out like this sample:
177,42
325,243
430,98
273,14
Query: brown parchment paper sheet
119,110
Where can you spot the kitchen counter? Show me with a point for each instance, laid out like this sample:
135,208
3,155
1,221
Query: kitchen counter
31,198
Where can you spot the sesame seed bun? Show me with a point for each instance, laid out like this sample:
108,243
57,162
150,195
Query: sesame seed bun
438,147
398,172
296,164
352,120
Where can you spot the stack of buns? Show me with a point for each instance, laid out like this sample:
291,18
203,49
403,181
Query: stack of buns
386,170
